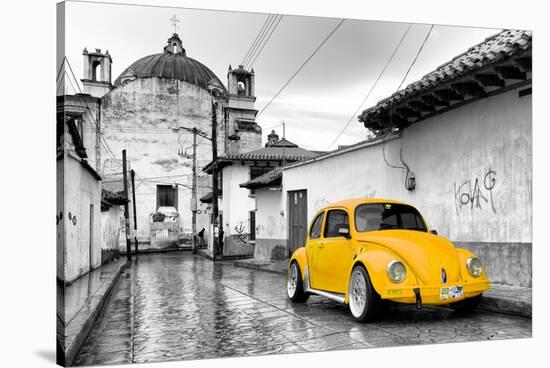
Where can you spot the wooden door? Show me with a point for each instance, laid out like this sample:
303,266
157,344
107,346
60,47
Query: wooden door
297,219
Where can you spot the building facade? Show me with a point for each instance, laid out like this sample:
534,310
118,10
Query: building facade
150,110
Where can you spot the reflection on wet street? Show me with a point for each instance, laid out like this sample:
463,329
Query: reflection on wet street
179,306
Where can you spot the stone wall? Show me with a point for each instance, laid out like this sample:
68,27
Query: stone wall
473,169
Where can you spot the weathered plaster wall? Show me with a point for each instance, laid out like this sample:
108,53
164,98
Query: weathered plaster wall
236,204
270,226
473,168
111,221
59,218
81,190
139,116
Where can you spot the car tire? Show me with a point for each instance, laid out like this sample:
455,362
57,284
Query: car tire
467,305
363,300
295,284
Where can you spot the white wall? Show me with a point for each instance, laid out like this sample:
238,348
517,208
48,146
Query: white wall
236,204
270,222
81,190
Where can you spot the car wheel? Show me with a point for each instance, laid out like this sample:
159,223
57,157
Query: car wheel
467,305
295,284
363,300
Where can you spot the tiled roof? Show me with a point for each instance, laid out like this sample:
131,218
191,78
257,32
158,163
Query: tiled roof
494,50
270,178
272,153
207,198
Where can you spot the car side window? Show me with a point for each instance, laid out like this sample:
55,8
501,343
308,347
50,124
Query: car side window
335,220
315,231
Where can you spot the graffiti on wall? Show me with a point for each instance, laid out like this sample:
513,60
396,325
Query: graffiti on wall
370,194
476,193
240,232
319,204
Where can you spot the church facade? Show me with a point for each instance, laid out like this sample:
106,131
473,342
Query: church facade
150,111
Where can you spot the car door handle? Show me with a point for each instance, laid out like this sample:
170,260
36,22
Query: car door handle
321,246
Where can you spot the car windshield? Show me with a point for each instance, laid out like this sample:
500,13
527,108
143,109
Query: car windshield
384,216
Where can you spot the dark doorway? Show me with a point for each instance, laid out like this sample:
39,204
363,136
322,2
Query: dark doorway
297,219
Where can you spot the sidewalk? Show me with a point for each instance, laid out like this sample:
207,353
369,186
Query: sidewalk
500,298
79,304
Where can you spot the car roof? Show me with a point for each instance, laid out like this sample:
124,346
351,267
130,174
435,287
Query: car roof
353,202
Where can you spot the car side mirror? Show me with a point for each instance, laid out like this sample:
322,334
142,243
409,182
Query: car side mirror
343,230
433,232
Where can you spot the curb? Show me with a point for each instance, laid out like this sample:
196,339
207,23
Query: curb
260,267
506,306
81,336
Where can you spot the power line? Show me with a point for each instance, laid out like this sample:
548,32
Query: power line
416,57
259,43
260,35
301,66
372,87
265,43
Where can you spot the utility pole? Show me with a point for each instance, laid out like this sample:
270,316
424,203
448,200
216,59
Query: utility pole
126,214
215,181
133,174
194,193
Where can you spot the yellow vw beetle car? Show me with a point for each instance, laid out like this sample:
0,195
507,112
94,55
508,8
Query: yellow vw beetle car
360,251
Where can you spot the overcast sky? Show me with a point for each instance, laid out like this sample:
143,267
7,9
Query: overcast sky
318,103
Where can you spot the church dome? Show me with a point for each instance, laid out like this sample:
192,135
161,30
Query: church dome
173,63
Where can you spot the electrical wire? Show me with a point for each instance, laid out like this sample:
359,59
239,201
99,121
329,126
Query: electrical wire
372,87
301,67
268,21
406,167
265,43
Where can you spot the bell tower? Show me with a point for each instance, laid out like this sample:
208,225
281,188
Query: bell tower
244,134
97,72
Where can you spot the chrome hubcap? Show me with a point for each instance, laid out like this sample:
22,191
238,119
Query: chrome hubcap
358,294
292,280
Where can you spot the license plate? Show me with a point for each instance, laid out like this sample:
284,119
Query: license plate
451,292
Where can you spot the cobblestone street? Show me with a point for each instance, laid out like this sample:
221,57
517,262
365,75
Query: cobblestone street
178,306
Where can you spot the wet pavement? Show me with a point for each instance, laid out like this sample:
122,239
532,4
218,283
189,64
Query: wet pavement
179,306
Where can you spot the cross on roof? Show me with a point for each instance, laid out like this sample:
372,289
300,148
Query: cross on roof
174,20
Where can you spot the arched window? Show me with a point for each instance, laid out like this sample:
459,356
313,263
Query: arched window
96,67
175,49
241,88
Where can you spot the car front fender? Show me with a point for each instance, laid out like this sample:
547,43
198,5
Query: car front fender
300,257
376,259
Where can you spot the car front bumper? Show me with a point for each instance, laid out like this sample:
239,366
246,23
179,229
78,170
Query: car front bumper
431,294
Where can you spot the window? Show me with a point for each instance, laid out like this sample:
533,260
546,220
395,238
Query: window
382,216
167,196
315,231
335,220
95,68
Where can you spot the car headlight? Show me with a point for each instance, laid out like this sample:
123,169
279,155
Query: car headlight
396,271
475,267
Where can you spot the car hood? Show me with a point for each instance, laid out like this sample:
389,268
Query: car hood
425,253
